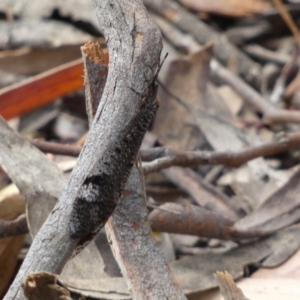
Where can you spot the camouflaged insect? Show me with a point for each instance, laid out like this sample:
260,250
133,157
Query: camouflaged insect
100,193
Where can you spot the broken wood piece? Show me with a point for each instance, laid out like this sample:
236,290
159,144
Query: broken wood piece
14,227
95,67
228,288
147,274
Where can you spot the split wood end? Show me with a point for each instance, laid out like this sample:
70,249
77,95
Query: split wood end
93,52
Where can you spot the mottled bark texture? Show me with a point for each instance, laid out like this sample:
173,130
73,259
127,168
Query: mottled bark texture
134,44
142,264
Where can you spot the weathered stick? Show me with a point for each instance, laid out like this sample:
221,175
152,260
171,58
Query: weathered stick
14,227
126,108
168,157
228,288
147,276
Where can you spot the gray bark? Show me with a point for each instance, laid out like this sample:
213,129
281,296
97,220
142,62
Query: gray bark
142,264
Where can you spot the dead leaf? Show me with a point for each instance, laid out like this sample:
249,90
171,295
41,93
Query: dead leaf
188,270
11,205
290,269
9,251
173,124
44,286
278,211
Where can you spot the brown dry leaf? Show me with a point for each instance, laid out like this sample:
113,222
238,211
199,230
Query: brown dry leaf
44,286
290,269
102,288
173,124
231,8
231,98
95,273
280,210
11,205
9,251
188,270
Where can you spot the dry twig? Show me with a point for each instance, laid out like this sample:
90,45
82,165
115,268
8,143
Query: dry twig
228,288
271,114
14,227
170,157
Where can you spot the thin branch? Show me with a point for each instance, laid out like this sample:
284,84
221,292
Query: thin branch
267,55
170,157
285,14
289,67
56,148
14,227
271,114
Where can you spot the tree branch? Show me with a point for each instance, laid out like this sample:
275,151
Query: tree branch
169,157
14,227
